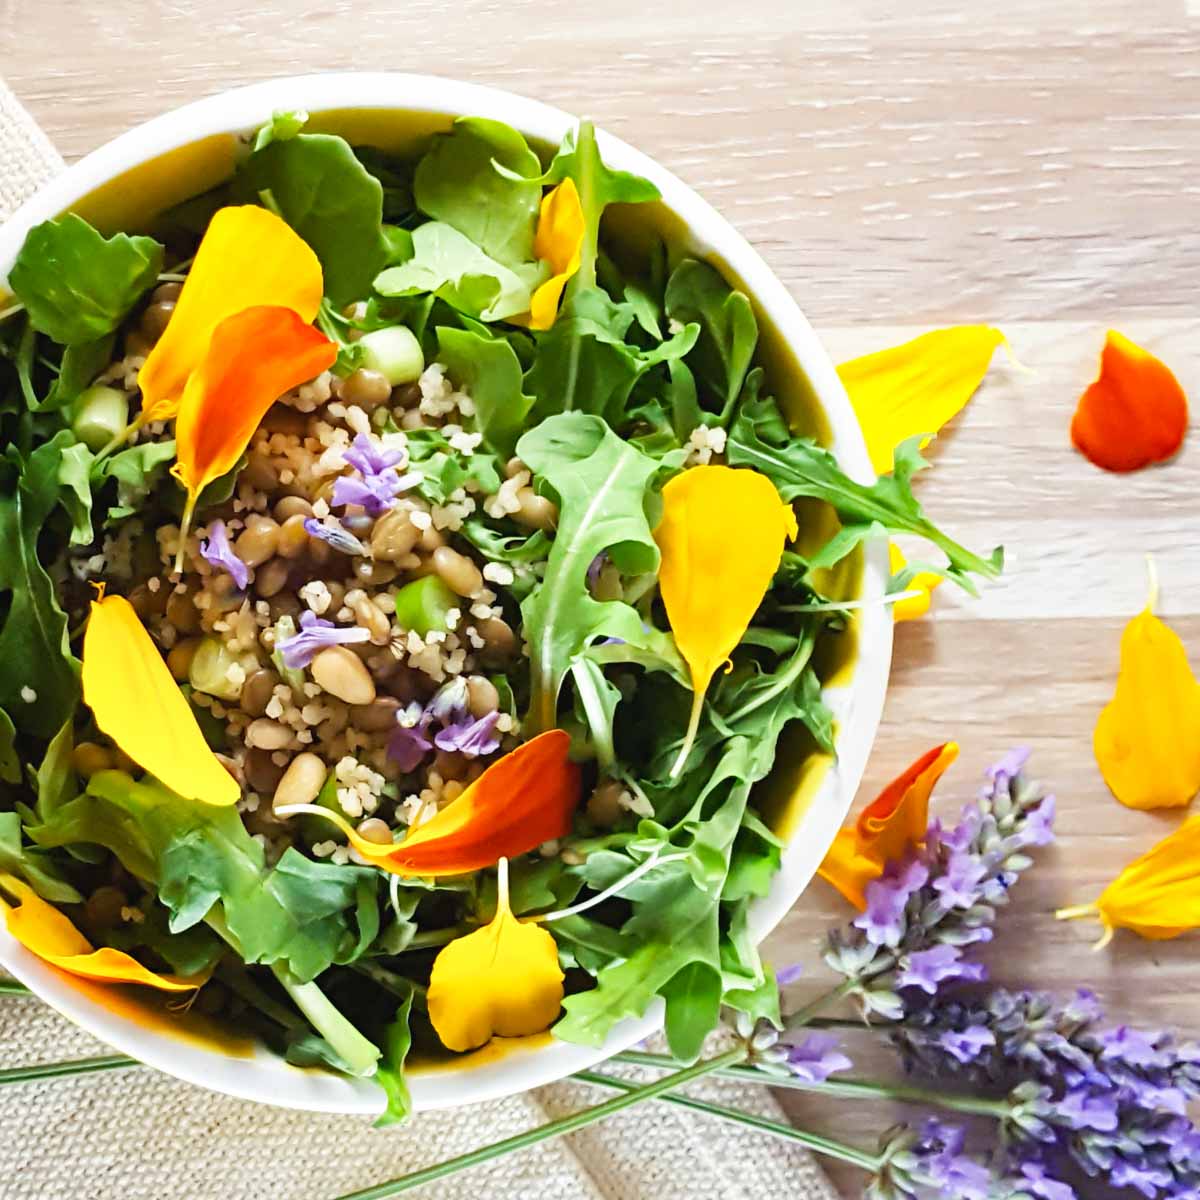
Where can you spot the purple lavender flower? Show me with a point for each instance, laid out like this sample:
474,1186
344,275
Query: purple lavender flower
887,897
410,741
368,456
1133,1048
1001,775
1039,826
1082,1108
378,484
339,538
928,969
1036,1182
217,552
1141,1176
816,1058
788,975
945,1165
959,887
315,635
968,1045
470,737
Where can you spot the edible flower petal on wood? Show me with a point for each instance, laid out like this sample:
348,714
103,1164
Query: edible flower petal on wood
922,582
521,800
1147,740
559,242
46,932
502,980
1156,896
916,387
248,257
894,822
137,703
254,357
1134,414
721,537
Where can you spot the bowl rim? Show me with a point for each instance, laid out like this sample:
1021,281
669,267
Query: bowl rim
259,1075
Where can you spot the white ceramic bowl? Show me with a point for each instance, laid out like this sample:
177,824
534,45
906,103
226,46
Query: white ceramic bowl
366,106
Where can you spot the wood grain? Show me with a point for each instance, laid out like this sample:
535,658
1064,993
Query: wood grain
899,166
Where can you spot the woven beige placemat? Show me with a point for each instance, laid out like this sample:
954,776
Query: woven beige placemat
142,1135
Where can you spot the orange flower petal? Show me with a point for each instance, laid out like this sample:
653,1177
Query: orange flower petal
887,828
247,257
502,980
44,931
1134,414
521,800
139,705
254,357
1147,739
559,242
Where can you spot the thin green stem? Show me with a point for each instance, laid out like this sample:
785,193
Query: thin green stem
10,987
59,1070
802,1016
11,311
589,202
856,1089
553,1129
439,937
814,1141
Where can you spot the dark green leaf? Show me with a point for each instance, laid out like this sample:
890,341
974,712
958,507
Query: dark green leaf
80,365
76,284
32,865
10,763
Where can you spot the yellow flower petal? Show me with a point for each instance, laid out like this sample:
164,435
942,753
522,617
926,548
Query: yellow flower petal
502,980
44,931
721,536
923,581
917,387
1147,740
247,257
1157,895
894,822
559,241
137,703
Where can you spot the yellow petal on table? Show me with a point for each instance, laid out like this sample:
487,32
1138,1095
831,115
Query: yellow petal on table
1147,740
135,701
1157,896
559,241
502,980
893,823
46,932
918,386
247,257
721,537
912,607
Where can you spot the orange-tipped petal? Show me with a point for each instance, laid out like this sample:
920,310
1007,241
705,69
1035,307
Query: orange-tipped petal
918,386
521,800
502,980
1134,414
248,257
44,931
923,582
721,535
559,242
135,701
254,357
1147,739
894,822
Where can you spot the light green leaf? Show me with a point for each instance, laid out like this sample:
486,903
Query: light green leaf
78,285
693,997
32,865
283,125
395,1044
487,369
74,477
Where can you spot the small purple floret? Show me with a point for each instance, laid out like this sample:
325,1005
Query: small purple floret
316,635
928,969
217,552
337,537
816,1058
470,737
886,899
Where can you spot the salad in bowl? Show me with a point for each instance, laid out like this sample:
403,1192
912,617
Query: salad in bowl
409,582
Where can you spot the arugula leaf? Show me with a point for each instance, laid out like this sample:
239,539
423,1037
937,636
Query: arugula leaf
584,363
32,865
330,199
444,469
76,284
601,484
800,467
80,365
749,986
74,477
138,471
449,264
395,1044
457,183
756,859
199,855
10,762
34,652
487,368
697,293
283,125
55,777
189,952
395,176
693,996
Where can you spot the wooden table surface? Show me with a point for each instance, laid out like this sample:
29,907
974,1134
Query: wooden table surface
900,166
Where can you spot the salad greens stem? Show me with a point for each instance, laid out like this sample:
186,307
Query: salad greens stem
397,985
553,1129
11,311
439,937
244,986
59,1070
784,680
586,156
10,987
359,1054
814,1141
655,860
598,723
803,1016
855,1089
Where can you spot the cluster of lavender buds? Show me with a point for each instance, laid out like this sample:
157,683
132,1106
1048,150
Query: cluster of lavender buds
941,898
